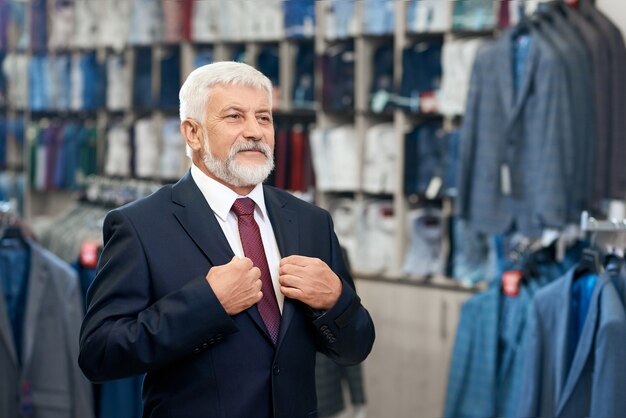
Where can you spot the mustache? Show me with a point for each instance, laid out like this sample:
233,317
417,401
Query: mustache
250,146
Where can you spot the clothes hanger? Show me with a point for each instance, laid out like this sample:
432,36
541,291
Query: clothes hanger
526,23
590,260
589,263
613,260
531,263
547,9
11,231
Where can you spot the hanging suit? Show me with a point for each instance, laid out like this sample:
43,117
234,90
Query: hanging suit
616,150
576,62
48,373
586,380
487,359
527,131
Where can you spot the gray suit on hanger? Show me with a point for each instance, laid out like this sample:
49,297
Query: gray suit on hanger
526,132
48,380
567,45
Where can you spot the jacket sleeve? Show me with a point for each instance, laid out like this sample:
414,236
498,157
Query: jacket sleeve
346,330
125,331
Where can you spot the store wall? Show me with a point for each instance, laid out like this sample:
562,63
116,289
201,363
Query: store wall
616,9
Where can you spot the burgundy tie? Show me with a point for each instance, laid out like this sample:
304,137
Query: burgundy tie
253,249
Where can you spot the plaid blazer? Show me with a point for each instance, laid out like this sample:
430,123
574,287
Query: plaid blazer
525,131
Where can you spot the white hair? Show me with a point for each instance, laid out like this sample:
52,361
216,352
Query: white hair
194,91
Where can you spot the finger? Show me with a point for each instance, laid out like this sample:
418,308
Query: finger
292,269
292,292
243,263
289,280
298,260
255,272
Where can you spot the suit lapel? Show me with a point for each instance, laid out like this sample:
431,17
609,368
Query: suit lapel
583,348
285,225
36,286
505,57
490,317
197,219
527,77
562,333
514,330
284,222
504,75
5,329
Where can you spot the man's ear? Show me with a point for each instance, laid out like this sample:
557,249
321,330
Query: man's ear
192,131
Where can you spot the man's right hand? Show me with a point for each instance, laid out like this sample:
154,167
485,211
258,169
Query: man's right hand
237,284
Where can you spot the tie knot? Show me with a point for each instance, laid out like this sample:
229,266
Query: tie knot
243,206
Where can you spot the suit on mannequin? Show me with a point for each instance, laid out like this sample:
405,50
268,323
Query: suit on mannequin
199,336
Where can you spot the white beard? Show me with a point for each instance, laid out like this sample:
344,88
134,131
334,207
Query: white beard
234,173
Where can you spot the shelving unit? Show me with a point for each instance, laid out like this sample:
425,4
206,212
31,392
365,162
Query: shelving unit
415,320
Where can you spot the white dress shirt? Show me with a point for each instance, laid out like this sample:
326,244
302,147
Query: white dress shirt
15,68
87,24
457,61
172,160
119,77
62,18
220,198
147,152
115,23
335,154
205,21
379,164
118,151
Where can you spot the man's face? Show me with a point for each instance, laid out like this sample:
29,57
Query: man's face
239,135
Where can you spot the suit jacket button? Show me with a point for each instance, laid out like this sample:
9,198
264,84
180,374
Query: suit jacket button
276,370
324,328
218,337
211,341
196,350
205,345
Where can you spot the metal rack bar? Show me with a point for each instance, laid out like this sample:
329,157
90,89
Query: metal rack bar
589,223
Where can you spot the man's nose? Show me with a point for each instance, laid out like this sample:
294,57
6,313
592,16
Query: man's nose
252,129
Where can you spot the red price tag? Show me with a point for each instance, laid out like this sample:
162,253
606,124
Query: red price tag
510,282
89,252
428,102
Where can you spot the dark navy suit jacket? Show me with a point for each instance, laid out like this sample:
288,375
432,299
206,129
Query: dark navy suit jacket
151,310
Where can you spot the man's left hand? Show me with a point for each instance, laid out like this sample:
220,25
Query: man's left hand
310,281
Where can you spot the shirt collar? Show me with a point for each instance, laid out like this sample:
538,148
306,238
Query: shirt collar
221,198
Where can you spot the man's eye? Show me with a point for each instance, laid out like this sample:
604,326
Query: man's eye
265,119
233,116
